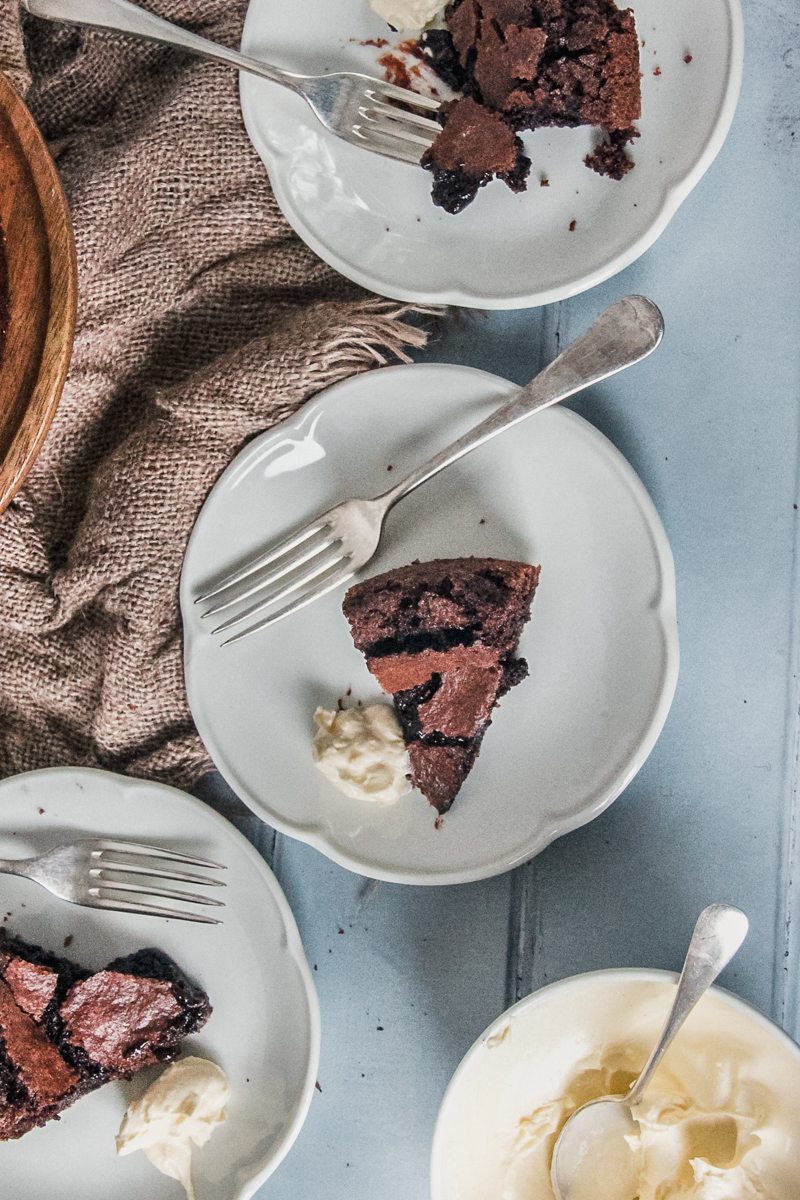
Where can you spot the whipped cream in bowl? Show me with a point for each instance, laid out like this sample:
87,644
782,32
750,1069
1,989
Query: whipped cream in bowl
720,1119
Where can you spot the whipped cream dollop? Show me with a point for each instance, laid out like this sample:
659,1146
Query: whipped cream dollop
720,1119
362,752
407,14
179,1111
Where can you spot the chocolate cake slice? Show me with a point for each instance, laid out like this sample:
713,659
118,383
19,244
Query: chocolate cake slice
475,146
65,1031
534,63
442,637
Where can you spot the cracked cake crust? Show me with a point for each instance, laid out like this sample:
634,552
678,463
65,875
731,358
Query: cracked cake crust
442,637
65,1031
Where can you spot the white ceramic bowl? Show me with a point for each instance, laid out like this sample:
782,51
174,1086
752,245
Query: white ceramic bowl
525,1058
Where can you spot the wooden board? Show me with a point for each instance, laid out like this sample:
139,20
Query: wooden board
41,275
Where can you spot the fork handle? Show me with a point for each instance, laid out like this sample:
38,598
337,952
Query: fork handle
120,16
622,335
15,866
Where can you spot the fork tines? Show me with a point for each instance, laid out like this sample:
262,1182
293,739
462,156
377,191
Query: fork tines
401,131
404,96
300,568
289,555
191,860
115,860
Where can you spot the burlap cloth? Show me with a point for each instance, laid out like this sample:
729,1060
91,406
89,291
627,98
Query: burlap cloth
202,320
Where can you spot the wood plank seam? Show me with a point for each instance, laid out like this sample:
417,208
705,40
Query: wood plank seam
524,915
786,982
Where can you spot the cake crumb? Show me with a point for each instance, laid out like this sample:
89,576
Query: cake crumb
340,930
482,521
573,225
413,47
657,71
395,70
390,467
40,812
318,1086
379,1028
439,822
687,58
68,940
544,181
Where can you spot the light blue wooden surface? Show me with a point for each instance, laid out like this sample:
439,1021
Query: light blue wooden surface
711,425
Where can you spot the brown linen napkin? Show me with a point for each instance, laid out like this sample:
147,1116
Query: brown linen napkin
202,320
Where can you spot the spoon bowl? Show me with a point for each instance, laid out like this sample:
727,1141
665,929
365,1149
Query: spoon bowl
592,1148
597,1149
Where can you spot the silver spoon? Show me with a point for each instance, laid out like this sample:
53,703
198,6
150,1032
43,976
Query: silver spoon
599,1126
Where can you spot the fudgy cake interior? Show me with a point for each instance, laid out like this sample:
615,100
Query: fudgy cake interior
442,637
473,135
65,1031
533,63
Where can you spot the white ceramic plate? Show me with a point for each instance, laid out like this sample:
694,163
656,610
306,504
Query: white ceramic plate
602,644
263,1032
527,1057
373,220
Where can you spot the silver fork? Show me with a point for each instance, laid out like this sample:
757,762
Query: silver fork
92,872
325,553
355,107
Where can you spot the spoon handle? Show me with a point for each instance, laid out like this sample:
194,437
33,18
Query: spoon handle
718,934
625,333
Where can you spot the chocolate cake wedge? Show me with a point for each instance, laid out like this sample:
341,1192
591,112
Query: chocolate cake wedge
442,638
65,1031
